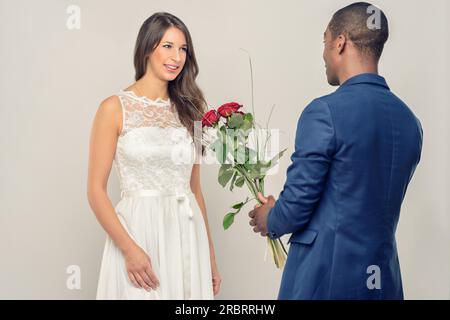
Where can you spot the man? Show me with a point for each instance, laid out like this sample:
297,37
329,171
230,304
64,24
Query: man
355,153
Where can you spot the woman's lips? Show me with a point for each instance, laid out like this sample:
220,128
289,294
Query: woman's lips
171,68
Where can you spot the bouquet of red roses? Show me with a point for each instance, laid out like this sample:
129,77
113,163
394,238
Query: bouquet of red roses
241,163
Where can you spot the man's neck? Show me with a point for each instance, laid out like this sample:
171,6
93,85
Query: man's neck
354,69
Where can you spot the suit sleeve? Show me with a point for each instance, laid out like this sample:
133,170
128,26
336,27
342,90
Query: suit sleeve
315,145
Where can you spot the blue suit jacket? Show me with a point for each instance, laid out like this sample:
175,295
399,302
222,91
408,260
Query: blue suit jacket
355,153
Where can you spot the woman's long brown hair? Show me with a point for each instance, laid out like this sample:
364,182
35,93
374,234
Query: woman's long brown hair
183,90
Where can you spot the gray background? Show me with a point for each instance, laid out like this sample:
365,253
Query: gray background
53,79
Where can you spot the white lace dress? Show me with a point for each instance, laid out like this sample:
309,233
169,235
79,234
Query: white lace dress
154,158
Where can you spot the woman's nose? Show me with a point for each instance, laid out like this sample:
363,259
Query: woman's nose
176,56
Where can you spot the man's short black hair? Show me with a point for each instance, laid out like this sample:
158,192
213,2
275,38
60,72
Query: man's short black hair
364,24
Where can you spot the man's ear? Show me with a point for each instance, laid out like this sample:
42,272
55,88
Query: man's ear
341,42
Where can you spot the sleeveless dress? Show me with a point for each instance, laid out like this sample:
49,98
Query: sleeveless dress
154,158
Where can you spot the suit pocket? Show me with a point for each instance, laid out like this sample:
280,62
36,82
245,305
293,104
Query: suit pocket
306,236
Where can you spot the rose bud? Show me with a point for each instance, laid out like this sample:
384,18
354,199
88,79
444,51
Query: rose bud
210,118
228,109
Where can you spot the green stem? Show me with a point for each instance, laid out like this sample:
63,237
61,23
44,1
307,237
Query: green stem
282,246
250,184
256,187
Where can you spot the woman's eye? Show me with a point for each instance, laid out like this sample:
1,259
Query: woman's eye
184,49
167,46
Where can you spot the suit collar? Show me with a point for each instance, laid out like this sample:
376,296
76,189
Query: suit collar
370,78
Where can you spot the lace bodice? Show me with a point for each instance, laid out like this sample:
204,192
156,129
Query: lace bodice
154,150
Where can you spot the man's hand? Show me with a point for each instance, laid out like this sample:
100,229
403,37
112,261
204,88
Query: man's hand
259,214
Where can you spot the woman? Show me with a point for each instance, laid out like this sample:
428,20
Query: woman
159,245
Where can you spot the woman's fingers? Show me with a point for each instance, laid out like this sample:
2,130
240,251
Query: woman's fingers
139,268
150,284
216,285
216,289
152,276
133,280
141,281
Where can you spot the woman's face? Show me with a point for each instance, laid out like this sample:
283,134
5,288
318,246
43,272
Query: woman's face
169,56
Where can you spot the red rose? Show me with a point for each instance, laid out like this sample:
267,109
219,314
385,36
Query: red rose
228,109
210,118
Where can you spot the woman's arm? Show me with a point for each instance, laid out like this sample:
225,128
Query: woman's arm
196,189
103,142
102,147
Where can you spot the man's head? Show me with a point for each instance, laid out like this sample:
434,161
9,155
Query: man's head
354,37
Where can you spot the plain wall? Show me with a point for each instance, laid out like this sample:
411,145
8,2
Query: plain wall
53,79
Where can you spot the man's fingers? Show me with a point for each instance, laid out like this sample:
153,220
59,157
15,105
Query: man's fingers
252,222
271,199
251,214
262,198
256,229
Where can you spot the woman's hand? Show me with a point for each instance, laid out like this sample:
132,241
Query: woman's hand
216,279
139,269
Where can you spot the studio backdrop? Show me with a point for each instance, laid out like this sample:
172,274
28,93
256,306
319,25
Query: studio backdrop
60,59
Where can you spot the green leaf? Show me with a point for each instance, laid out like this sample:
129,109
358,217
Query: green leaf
225,174
235,120
226,167
240,181
273,161
255,171
246,126
238,206
249,117
228,220
220,150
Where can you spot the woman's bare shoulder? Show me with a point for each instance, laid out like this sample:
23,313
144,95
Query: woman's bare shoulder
110,111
